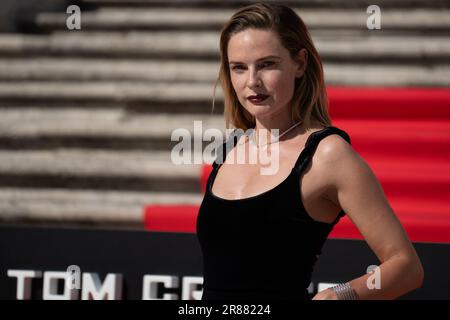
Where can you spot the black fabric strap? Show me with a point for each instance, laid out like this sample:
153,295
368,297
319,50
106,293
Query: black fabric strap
312,142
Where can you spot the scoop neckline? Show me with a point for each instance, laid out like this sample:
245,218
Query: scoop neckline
215,171
260,195
249,197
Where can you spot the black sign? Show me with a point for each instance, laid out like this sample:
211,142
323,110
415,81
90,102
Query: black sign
135,265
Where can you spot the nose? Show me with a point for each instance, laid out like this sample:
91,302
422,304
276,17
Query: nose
253,79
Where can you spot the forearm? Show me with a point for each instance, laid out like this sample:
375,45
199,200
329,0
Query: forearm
394,278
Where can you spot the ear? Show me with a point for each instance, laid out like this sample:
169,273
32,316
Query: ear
302,61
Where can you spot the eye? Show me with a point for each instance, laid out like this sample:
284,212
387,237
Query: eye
261,65
267,64
237,67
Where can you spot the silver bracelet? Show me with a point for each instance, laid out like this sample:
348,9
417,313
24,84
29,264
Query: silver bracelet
345,292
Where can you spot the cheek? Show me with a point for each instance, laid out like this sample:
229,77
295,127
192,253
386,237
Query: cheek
239,85
238,82
283,86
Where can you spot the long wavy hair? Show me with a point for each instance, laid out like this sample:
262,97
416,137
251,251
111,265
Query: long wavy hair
309,102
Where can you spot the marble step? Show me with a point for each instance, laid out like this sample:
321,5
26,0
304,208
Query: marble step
88,208
158,18
189,45
74,70
292,3
100,169
98,128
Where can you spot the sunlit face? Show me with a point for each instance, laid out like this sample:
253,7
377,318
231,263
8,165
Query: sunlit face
259,64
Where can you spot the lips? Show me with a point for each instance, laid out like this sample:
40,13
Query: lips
257,98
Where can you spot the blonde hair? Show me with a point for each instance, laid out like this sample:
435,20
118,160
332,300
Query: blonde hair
309,102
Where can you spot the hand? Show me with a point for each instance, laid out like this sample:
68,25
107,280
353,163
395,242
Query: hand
326,294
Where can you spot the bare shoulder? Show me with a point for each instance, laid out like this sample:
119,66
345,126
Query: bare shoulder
346,174
334,150
335,161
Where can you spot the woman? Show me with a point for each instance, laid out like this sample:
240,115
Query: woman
256,229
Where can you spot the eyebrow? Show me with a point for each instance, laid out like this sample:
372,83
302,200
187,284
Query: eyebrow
260,59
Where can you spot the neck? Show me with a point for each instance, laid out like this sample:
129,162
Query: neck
280,123
283,128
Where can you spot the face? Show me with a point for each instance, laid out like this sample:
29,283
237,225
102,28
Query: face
259,64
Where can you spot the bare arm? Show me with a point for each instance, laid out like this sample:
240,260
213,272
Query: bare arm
359,193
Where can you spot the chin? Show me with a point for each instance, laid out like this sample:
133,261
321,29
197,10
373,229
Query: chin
258,110
262,111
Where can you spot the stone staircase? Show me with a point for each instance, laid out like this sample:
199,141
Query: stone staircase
86,116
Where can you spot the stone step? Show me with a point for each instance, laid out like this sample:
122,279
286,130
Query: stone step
108,91
65,122
204,45
98,169
163,94
72,69
83,207
87,69
292,3
158,18
114,128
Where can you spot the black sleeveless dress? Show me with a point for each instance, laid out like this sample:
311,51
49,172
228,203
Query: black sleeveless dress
264,246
